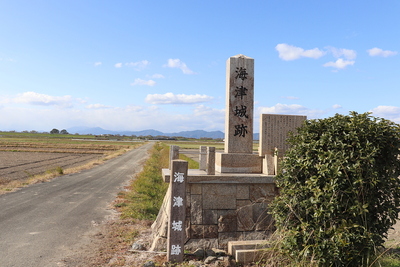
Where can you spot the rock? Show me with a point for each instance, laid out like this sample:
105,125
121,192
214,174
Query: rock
200,253
210,259
219,252
149,264
138,246
210,252
195,263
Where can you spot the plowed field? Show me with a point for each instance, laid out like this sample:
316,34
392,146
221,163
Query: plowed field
24,156
21,165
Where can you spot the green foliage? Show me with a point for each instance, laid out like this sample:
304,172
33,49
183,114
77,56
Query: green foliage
339,189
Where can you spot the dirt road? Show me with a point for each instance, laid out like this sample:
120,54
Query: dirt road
44,223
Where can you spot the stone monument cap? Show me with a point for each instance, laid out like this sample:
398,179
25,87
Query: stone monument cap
241,56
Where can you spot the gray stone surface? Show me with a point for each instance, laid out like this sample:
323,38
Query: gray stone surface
238,163
239,104
210,217
222,196
196,210
274,131
204,231
242,192
203,158
227,222
210,160
262,192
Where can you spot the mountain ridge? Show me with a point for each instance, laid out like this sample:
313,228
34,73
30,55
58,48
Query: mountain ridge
187,134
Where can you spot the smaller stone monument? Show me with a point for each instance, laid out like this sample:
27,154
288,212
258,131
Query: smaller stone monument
274,130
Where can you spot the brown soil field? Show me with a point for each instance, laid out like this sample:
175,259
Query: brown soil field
22,165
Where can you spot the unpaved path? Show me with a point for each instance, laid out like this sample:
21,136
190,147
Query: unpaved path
44,223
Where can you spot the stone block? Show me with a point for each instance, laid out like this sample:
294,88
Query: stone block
262,192
227,222
210,217
210,160
268,166
203,158
196,209
205,243
262,219
245,221
195,189
222,196
238,163
203,231
242,192
242,202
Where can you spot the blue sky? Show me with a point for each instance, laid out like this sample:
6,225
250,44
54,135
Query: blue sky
136,65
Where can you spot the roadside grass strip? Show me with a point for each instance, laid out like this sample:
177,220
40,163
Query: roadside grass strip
147,190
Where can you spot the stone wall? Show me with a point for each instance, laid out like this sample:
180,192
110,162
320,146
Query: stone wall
222,208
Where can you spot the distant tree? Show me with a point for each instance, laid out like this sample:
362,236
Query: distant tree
33,131
63,131
55,131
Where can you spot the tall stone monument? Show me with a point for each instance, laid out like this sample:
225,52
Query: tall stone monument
238,156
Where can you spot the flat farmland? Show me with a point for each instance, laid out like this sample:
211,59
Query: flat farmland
22,165
23,157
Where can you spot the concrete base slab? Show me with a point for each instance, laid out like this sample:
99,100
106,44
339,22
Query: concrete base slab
233,246
247,251
238,163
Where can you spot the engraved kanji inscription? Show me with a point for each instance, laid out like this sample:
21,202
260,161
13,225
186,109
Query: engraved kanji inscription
240,130
241,73
241,111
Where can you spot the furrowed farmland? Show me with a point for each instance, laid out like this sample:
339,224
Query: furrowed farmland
26,156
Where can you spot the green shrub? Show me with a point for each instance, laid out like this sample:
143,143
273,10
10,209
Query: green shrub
339,190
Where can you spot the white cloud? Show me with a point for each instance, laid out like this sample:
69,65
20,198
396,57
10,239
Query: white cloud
290,52
96,64
293,109
336,106
97,106
138,65
342,52
33,98
143,82
157,76
387,112
373,52
118,65
339,64
170,98
112,118
177,63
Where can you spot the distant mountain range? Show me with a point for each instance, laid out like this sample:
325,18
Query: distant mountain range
188,134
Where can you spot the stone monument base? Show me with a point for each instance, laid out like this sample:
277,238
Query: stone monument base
238,163
220,208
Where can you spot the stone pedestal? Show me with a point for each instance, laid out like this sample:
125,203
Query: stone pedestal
238,163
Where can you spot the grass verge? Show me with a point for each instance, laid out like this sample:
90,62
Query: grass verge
147,190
